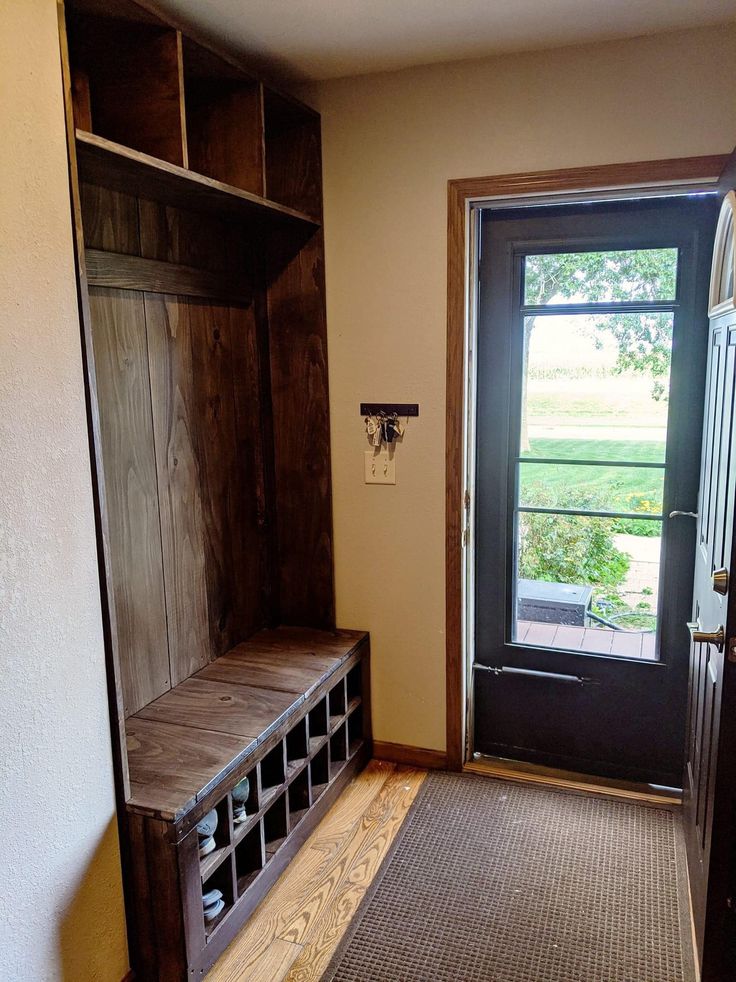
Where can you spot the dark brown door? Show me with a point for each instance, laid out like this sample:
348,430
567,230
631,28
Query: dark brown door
584,446
710,774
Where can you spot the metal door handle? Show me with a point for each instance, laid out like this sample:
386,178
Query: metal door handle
719,579
716,637
683,514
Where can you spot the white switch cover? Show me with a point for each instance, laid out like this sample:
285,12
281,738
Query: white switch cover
379,468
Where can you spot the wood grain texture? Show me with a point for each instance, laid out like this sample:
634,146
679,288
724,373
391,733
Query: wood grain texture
183,531
459,194
285,671
127,272
225,131
110,220
400,753
134,81
182,758
293,151
340,858
301,432
119,338
122,168
240,710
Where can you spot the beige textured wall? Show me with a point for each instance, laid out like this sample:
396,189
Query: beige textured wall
61,914
391,142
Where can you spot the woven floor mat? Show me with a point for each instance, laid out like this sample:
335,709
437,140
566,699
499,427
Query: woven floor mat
492,881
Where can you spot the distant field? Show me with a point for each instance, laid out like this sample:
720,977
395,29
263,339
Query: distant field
611,488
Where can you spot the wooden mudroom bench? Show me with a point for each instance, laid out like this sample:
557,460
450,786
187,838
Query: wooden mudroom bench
197,215
289,710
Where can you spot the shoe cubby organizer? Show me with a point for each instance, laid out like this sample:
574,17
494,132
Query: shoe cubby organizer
210,856
238,710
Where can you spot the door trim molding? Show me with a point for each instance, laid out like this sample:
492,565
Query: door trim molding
461,195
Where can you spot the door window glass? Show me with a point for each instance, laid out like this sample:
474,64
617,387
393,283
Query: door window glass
591,454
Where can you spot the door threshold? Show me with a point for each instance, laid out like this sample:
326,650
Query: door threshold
517,770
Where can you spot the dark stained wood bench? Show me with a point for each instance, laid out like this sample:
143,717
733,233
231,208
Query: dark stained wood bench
289,709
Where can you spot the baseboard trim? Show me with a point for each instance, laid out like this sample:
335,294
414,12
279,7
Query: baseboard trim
536,774
400,753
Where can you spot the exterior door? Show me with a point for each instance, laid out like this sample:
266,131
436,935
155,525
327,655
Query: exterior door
709,793
592,344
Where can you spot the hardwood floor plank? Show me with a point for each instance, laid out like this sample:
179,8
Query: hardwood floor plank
271,966
309,872
336,899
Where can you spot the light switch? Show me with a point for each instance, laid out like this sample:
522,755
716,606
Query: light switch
380,468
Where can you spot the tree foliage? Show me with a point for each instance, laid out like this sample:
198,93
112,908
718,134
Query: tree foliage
643,341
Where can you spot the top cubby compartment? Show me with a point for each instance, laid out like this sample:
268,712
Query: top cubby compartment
293,154
224,120
126,82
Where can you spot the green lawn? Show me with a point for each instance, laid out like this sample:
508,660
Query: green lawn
600,488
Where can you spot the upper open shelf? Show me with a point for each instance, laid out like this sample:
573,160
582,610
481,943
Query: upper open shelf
159,114
112,165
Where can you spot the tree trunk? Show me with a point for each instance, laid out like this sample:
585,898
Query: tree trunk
524,429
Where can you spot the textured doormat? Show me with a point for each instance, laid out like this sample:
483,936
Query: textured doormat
491,881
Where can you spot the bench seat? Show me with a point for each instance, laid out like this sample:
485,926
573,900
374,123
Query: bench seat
188,740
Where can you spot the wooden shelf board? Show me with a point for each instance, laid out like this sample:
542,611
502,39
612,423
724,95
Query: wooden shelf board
247,880
210,863
296,816
318,790
240,831
118,167
212,926
335,767
274,845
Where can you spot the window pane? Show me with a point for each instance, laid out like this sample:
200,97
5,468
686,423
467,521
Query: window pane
597,277
587,584
725,291
596,387
629,489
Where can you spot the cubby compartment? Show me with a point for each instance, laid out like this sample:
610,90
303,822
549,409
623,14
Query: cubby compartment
273,769
299,801
336,702
319,772
318,727
243,811
217,907
126,81
249,858
275,826
211,856
224,120
297,744
338,751
355,731
293,154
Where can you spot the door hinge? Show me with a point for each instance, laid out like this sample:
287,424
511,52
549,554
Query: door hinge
466,500
466,536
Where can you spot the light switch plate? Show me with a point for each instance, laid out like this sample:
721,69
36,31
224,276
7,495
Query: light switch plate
380,468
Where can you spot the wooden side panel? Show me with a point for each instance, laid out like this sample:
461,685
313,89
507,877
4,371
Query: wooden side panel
293,155
225,132
207,470
110,220
301,425
183,532
119,339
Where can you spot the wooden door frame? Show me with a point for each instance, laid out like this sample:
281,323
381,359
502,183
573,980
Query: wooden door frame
461,196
